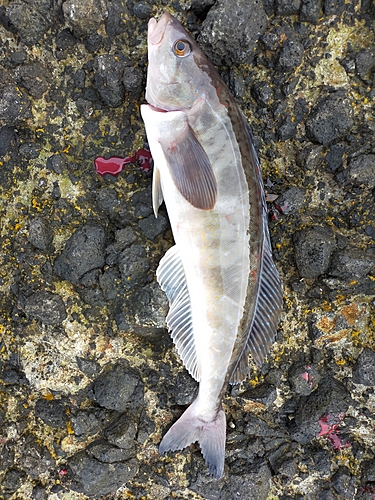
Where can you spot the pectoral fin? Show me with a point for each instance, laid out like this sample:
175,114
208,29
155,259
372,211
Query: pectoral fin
190,168
157,193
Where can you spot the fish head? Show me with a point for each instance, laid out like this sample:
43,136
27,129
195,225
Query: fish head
178,71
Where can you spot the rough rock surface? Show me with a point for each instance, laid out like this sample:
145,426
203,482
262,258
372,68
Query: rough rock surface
89,379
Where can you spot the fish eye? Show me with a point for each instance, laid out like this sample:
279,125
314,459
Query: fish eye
182,48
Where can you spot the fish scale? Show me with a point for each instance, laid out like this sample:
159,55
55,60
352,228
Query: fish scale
223,288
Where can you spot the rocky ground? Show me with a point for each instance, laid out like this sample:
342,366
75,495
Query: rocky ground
89,379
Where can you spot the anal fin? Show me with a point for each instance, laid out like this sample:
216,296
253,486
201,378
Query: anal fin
171,277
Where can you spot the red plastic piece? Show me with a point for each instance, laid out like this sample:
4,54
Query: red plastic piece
116,164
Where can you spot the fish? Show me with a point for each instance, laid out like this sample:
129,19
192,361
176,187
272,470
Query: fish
224,291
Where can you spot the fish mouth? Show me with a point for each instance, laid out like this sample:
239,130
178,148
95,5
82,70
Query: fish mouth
156,29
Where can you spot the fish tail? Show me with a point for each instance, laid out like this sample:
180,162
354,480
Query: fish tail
210,435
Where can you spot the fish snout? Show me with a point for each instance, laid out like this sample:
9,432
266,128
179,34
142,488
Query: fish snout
156,29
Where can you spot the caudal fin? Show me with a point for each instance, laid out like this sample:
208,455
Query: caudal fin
210,435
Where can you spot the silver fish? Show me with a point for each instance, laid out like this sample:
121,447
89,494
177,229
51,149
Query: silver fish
223,288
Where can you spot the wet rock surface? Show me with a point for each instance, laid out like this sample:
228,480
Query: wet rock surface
89,379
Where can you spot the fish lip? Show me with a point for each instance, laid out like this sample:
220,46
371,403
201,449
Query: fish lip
156,29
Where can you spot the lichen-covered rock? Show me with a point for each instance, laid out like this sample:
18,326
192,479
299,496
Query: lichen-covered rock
362,171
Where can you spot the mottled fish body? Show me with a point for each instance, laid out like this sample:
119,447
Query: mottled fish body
224,291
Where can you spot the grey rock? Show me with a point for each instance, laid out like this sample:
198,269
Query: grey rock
231,30
185,388
51,412
262,92
83,252
84,17
35,459
146,310
109,283
351,263
7,137
133,81
287,7
36,78
116,388
313,248
117,17
330,399
29,21
122,433
365,64
142,10
96,479
12,480
106,453
334,157
329,119
362,171
45,306
57,163
364,368
14,105
253,486
334,7
291,54
368,471
88,366
344,483
133,265
108,79
40,233
152,226
310,11
85,424
304,378
125,237
291,201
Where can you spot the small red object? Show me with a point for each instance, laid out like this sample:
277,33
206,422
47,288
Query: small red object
116,164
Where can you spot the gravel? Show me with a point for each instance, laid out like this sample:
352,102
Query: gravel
89,378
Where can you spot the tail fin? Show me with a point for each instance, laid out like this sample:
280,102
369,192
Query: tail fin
211,437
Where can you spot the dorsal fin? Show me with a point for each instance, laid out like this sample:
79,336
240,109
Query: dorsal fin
263,328
171,277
